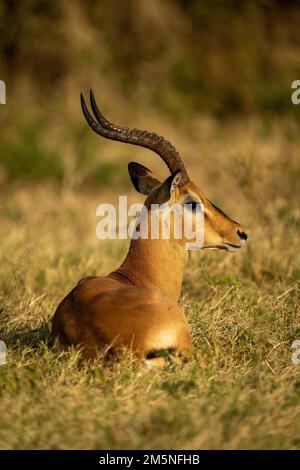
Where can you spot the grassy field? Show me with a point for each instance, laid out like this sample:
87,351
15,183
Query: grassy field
241,390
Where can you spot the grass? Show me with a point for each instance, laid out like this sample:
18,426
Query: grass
240,391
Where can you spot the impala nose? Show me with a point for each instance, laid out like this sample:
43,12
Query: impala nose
242,235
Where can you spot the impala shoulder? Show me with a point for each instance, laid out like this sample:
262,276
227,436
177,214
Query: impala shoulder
155,295
90,287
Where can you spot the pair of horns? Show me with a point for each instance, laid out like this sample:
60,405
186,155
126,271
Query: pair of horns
147,139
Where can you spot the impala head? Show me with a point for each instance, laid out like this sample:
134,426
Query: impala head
220,231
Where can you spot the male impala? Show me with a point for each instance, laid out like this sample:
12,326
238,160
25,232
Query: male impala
136,306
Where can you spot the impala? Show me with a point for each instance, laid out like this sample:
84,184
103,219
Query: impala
136,306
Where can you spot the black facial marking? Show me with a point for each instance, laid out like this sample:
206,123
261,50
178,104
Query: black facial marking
191,204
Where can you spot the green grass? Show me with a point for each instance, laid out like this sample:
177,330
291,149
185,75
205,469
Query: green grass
26,158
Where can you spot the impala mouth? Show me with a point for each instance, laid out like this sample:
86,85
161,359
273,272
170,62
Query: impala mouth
225,246
232,247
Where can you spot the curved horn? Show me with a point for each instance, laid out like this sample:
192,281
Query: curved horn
146,139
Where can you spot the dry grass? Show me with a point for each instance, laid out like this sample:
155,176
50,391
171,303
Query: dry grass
241,390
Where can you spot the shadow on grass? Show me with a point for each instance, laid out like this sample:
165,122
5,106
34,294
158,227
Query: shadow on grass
23,336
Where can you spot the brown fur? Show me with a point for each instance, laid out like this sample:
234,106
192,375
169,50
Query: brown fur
136,307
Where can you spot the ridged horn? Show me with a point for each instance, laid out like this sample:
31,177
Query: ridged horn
150,140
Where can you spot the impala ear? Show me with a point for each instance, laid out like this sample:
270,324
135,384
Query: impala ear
168,187
142,179
174,181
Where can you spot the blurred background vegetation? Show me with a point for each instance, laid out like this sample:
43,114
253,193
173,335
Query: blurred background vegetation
150,63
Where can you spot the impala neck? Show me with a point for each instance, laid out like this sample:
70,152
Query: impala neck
156,262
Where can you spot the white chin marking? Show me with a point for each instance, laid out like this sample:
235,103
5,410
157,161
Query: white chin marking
232,249
224,246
